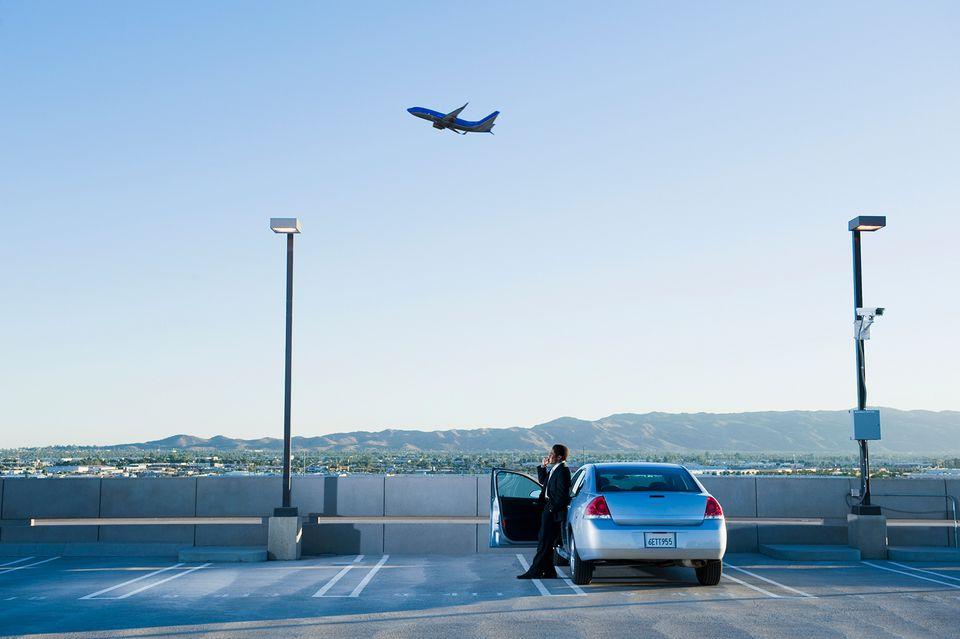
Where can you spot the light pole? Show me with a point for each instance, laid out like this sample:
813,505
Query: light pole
866,424
288,226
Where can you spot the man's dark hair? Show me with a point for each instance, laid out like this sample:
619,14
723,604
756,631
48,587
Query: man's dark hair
560,451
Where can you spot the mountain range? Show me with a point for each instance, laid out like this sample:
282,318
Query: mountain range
912,431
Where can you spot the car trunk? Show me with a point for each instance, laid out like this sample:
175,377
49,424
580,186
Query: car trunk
654,509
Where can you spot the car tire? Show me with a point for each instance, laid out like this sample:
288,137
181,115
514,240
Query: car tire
581,571
559,560
709,573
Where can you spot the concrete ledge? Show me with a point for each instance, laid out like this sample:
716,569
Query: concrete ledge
923,553
74,549
393,519
222,554
151,521
810,553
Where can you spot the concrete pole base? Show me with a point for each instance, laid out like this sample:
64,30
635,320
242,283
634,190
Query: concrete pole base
868,533
283,538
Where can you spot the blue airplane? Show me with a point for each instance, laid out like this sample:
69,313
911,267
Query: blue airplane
451,122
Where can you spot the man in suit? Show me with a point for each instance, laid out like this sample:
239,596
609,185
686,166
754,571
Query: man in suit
555,497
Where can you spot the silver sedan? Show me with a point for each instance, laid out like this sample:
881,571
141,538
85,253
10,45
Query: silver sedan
626,514
634,513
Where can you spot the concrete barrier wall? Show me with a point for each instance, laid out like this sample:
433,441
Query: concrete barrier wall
765,497
357,496
27,498
454,496
738,498
148,497
236,496
913,507
952,487
803,497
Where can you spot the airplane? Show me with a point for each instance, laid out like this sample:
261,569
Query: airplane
451,122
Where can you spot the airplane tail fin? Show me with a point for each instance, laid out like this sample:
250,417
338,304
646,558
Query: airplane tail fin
487,123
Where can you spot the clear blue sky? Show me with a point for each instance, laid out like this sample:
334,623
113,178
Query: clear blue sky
658,223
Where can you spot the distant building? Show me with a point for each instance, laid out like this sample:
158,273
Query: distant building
66,470
937,472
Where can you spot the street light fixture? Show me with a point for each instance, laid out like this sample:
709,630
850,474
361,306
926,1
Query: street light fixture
288,226
284,225
866,423
867,223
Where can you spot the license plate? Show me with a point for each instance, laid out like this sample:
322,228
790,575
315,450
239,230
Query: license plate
659,540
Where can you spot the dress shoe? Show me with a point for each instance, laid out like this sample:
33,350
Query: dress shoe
550,575
527,575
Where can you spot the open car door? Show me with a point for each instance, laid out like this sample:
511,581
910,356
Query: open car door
515,508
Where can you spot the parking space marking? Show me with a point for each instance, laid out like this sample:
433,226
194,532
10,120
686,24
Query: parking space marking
337,577
93,595
96,595
363,583
910,574
16,561
771,581
6,570
536,582
163,581
574,587
751,586
929,572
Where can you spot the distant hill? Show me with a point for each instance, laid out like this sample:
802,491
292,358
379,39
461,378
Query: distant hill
915,431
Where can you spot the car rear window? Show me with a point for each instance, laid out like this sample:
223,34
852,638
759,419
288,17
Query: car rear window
644,479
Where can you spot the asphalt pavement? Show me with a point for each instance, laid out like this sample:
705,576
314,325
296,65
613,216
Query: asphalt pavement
474,595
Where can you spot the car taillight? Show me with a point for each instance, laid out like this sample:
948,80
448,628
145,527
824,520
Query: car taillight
713,510
597,509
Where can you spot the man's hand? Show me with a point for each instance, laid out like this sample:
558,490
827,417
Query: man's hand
546,461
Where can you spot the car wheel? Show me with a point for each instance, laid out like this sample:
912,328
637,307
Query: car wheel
709,573
581,571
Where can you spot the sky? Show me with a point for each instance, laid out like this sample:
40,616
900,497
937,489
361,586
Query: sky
658,223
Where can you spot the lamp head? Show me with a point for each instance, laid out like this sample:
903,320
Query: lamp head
285,224
867,223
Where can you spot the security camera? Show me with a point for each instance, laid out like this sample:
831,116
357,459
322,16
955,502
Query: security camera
865,317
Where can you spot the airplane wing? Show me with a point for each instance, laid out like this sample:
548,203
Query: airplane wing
450,117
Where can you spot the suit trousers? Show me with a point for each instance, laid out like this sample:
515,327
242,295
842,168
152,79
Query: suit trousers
546,540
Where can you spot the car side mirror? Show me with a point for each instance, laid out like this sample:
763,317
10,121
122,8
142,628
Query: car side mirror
535,493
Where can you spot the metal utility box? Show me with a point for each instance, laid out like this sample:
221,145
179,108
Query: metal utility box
866,424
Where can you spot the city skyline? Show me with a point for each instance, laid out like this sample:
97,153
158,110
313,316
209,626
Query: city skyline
659,223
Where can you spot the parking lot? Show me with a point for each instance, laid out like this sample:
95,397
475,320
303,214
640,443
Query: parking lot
471,595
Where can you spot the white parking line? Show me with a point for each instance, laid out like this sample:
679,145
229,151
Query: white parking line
536,582
95,595
771,581
574,587
132,581
327,586
16,561
910,574
162,581
929,572
363,583
752,587
37,563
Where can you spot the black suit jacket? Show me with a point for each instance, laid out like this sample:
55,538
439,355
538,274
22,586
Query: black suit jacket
556,494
